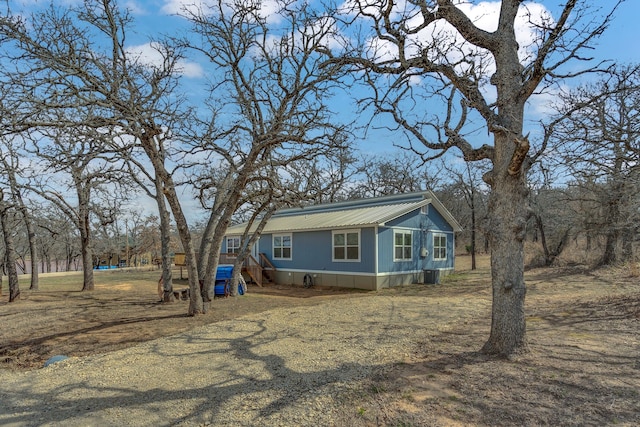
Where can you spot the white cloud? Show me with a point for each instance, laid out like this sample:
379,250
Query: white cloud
190,69
268,8
150,54
178,7
270,11
541,105
134,7
445,44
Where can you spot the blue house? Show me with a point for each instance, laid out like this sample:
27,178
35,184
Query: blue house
367,244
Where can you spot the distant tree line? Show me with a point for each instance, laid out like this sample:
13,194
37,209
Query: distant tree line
89,122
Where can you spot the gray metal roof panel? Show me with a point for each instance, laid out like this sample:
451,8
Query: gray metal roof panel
346,218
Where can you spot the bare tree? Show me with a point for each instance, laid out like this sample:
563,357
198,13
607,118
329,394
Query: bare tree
89,167
10,164
465,197
422,51
143,175
79,68
553,222
597,138
7,220
277,96
397,173
57,239
270,88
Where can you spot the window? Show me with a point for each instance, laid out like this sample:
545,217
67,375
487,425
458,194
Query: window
402,246
346,245
233,245
282,246
439,246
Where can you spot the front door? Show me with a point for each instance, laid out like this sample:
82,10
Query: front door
255,250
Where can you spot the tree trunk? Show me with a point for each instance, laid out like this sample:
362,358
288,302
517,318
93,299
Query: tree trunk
508,215
217,226
31,234
237,273
222,217
216,244
473,234
87,264
154,150
165,243
10,254
627,245
208,256
609,256
33,250
543,240
195,298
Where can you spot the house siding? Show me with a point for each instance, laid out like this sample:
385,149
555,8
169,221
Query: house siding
423,227
312,243
312,252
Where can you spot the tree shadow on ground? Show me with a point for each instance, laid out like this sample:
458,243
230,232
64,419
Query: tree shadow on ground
469,388
279,385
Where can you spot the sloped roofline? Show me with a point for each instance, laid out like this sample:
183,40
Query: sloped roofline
364,212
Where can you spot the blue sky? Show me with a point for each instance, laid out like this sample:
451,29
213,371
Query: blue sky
622,39
156,17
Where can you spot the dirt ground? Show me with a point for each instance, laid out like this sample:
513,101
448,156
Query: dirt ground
124,309
583,367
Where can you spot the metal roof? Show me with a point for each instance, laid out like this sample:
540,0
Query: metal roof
344,218
350,214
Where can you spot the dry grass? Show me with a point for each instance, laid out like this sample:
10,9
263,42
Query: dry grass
583,367
122,311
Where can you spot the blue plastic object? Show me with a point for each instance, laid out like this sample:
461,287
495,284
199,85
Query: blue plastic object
54,359
224,271
220,287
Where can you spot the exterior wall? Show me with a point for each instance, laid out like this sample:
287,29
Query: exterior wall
353,281
422,226
312,252
400,279
341,280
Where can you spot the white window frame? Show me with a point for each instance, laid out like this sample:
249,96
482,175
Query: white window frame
345,246
438,249
282,246
233,239
403,246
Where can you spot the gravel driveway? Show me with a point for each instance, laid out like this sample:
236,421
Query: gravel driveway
285,367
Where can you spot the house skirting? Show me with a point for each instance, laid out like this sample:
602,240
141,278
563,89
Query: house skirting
365,281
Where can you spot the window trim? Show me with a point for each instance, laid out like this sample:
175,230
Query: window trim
237,248
333,246
403,246
273,246
436,249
